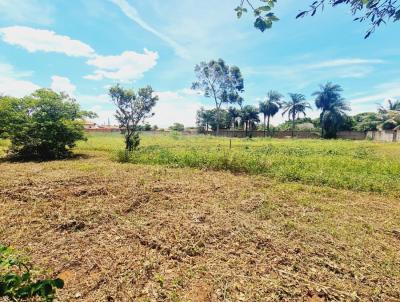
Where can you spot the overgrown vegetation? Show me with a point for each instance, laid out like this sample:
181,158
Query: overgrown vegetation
355,165
44,125
18,282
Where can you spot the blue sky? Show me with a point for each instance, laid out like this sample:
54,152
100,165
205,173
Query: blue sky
84,46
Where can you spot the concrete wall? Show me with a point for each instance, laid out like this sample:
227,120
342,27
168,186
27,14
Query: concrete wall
280,134
353,135
384,136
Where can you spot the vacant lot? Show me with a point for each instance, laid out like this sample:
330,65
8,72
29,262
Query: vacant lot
226,232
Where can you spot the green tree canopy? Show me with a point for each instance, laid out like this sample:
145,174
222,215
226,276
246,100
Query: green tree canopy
333,108
177,127
44,125
219,81
249,116
270,106
376,12
132,110
294,107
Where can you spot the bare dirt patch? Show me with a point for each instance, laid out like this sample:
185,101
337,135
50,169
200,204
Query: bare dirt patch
118,232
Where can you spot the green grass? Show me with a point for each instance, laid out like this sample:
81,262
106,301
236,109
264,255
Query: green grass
355,165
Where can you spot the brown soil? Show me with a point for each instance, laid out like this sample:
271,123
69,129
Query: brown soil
118,232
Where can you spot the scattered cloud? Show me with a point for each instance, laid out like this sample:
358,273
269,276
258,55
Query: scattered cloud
12,82
343,62
134,15
62,84
381,93
27,11
176,106
302,75
35,40
129,66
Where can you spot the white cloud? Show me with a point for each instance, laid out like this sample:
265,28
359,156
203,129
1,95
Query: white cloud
133,14
129,66
44,40
299,76
26,11
16,88
12,82
343,62
176,106
62,84
383,92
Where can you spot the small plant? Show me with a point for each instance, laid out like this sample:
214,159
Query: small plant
18,283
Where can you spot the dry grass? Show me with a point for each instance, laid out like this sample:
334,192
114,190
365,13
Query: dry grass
123,232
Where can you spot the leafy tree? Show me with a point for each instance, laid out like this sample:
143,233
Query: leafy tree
19,283
270,106
333,107
366,121
204,118
177,127
294,107
249,116
132,109
44,125
392,106
147,127
376,12
233,114
220,82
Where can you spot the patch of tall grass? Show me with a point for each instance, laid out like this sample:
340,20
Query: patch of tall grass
354,165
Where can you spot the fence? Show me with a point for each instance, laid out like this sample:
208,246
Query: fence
353,135
257,133
384,135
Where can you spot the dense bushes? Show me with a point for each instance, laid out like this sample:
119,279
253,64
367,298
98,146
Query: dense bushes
44,125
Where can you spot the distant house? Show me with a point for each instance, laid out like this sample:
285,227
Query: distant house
89,125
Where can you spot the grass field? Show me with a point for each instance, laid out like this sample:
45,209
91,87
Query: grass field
356,165
277,220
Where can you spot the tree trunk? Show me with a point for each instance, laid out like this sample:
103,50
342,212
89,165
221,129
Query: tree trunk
320,122
293,123
269,133
264,126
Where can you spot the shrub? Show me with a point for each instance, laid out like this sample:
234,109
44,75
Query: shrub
44,125
18,283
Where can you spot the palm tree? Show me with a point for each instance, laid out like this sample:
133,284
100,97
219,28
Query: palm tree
233,114
294,107
249,116
270,106
392,106
333,107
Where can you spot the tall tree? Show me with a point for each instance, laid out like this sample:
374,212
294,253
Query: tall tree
132,110
233,114
270,106
249,116
294,107
376,12
392,106
219,81
329,100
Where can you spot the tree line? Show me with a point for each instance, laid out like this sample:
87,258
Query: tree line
224,84
47,125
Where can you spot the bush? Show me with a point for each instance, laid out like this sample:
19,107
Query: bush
44,125
18,283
